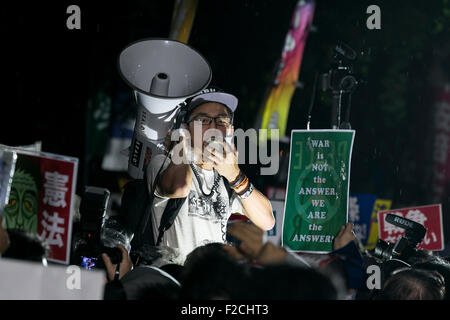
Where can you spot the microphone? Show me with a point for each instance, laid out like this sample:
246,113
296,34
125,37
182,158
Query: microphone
345,51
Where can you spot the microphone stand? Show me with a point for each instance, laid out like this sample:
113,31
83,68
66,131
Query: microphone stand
336,109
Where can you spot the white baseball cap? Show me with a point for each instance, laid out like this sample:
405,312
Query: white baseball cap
226,99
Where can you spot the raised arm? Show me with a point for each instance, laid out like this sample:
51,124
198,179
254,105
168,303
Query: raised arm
175,181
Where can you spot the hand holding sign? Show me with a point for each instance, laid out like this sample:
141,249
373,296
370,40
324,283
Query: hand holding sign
344,237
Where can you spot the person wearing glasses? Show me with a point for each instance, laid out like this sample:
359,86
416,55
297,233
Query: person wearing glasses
202,163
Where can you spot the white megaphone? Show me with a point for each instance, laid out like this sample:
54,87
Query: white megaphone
163,74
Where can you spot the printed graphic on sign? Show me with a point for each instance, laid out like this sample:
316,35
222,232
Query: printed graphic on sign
380,205
428,216
318,186
359,213
40,199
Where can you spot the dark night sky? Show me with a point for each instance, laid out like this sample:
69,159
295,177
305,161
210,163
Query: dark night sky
50,72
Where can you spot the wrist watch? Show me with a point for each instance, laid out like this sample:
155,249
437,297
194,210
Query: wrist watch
247,193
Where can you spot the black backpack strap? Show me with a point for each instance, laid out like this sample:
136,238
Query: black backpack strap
133,204
171,211
142,232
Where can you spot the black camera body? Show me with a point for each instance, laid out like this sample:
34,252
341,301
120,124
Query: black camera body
90,255
405,246
340,77
341,81
88,245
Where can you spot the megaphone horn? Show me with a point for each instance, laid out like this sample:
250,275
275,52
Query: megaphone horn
162,73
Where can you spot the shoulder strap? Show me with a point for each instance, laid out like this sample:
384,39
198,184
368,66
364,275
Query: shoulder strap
143,232
168,217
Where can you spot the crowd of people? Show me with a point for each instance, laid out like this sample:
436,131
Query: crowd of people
258,270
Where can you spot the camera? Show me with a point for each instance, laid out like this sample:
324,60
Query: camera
341,81
406,245
340,76
89,245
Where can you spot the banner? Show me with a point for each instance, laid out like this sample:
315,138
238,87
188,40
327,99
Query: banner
316,203
40,201
276,109
380,205
360,214
440,131
428,216
182,19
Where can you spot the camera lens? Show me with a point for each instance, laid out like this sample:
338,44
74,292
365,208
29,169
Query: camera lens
383,250
348,83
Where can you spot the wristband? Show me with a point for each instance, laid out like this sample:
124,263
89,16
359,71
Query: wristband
247,192
243,182
239,179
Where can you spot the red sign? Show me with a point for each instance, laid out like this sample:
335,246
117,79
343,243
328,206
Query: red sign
42,193
428,216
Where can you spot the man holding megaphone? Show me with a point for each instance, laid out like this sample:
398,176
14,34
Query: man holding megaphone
203,172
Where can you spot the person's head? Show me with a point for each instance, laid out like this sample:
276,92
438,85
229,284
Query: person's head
210,115
211,273
149,283
287,282
26,246
440,265
173,269
413,284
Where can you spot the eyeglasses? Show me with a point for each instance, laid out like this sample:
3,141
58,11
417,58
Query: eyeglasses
220,121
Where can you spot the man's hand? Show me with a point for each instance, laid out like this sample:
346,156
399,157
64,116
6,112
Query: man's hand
252,246
344,237
271,254
250,235
125,265
224,159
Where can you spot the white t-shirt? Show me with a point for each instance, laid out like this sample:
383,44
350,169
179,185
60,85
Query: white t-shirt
199,221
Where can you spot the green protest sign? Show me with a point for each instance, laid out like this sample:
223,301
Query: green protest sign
316,203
